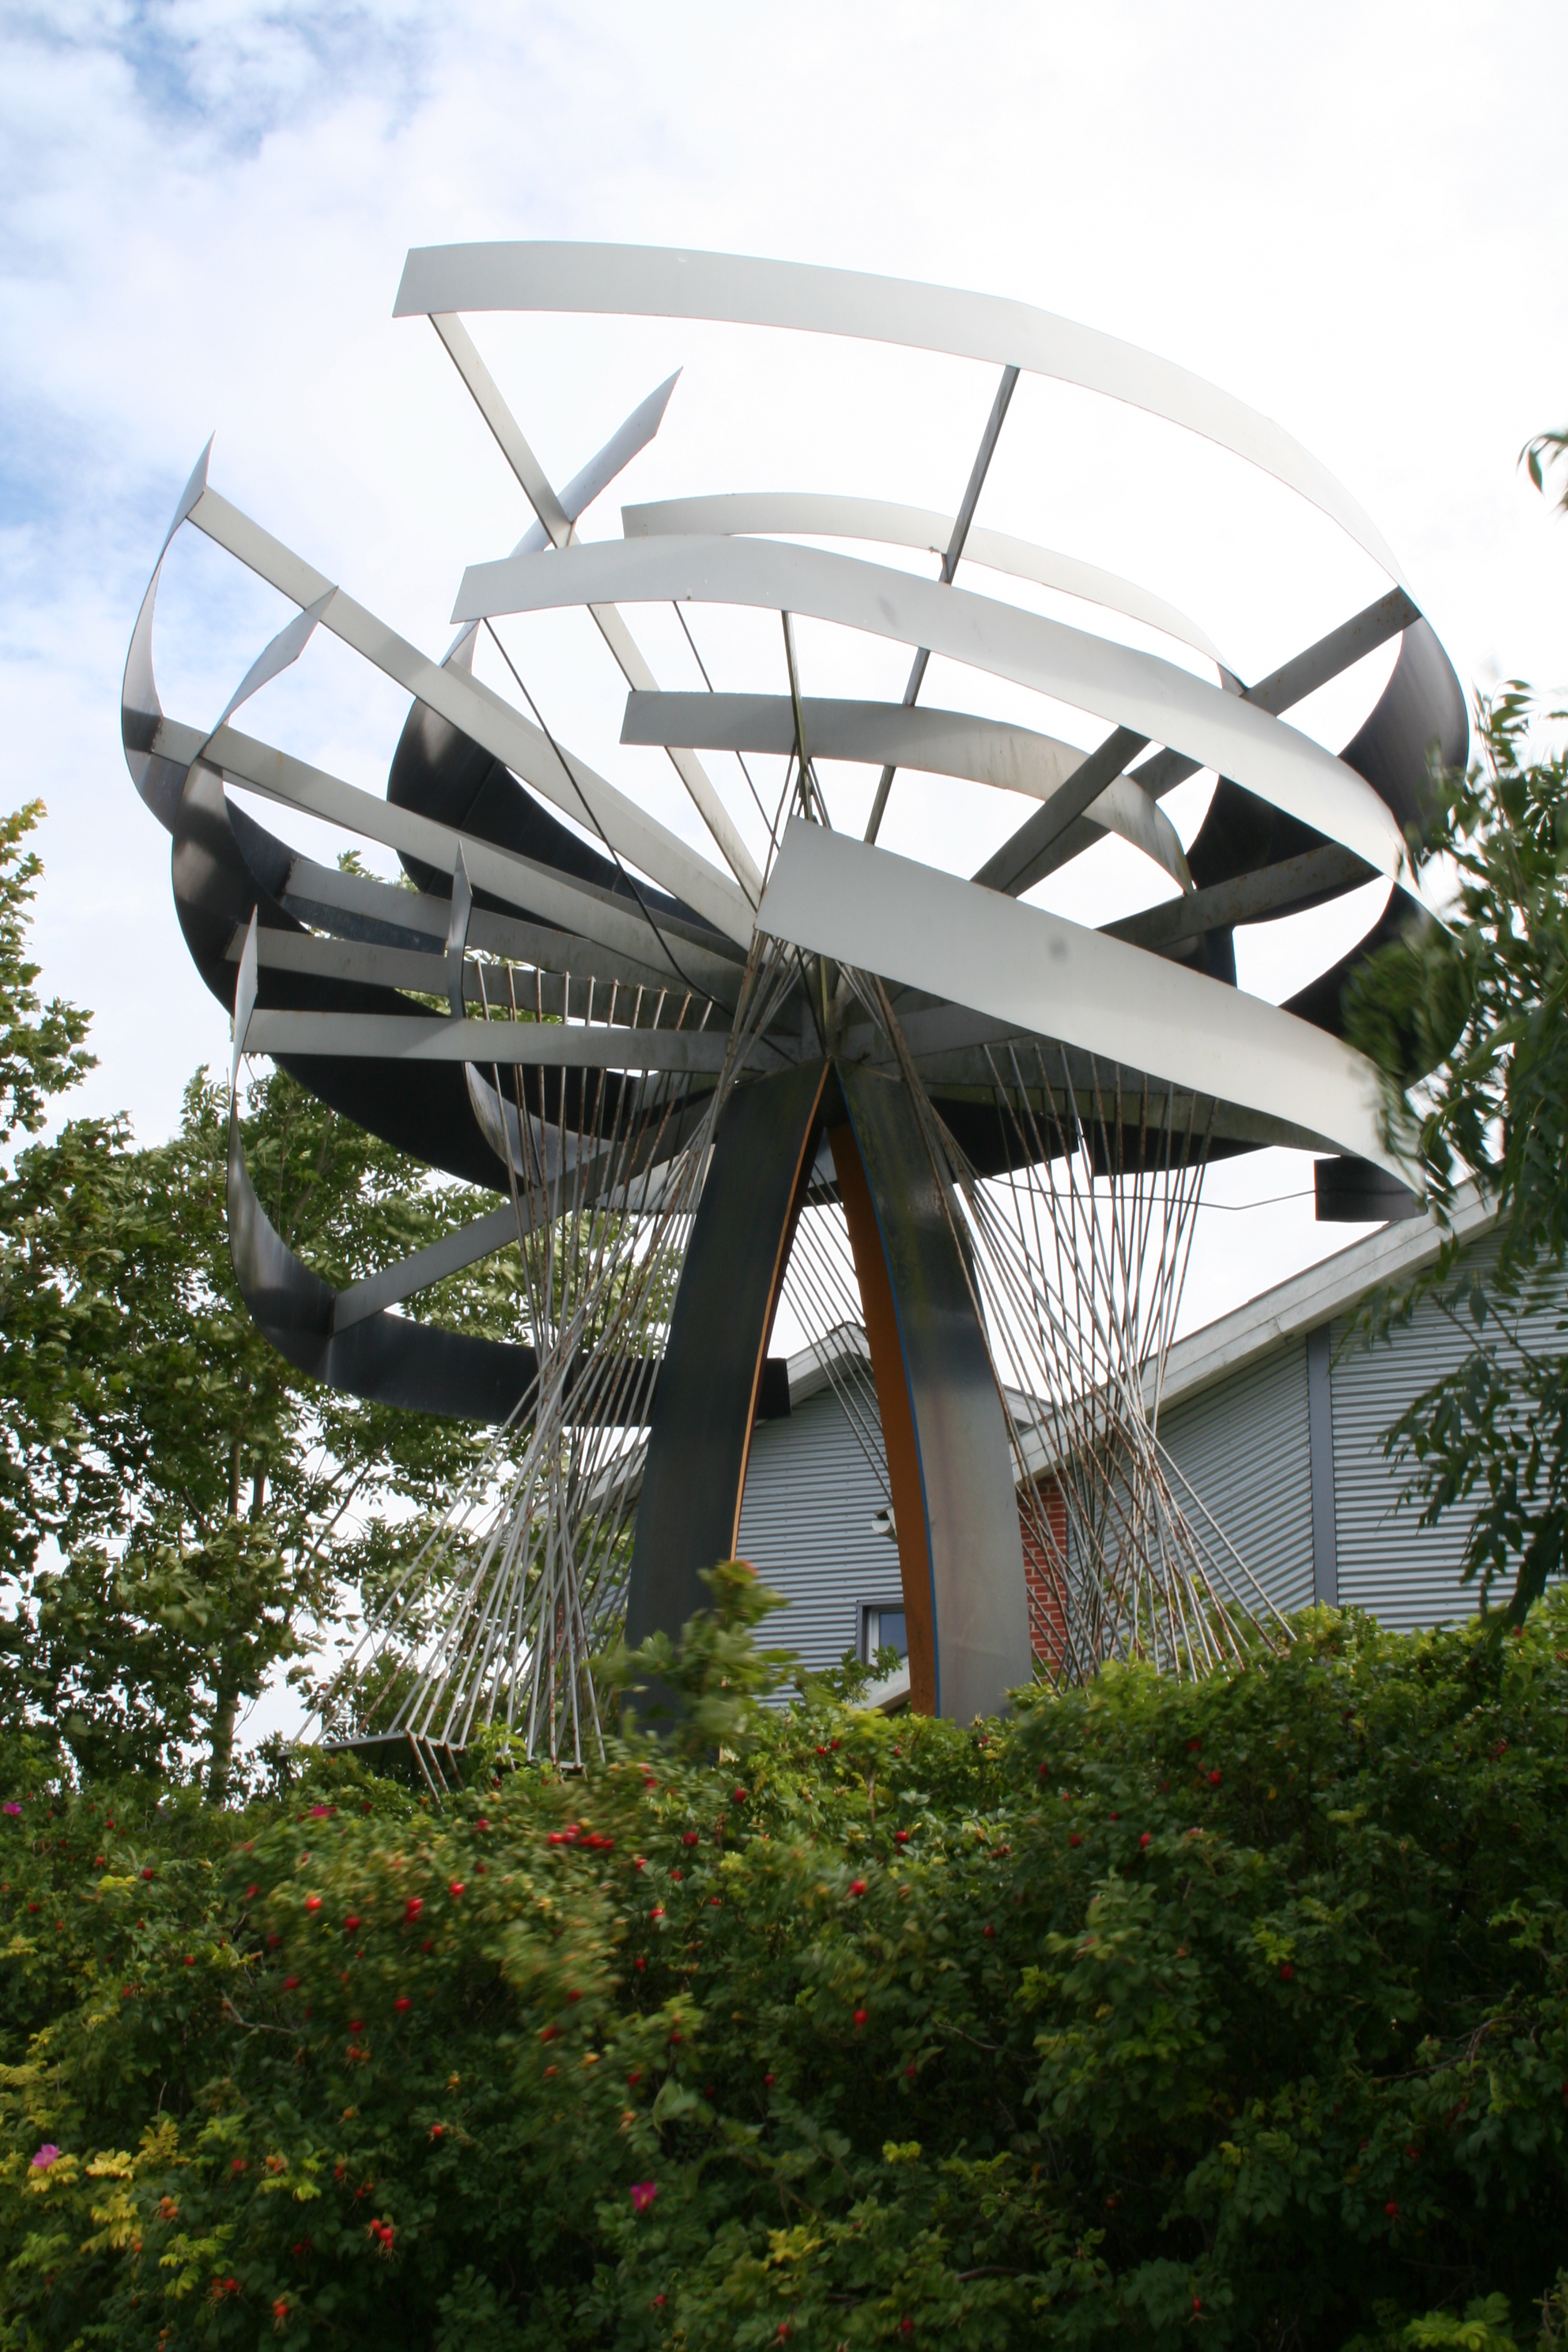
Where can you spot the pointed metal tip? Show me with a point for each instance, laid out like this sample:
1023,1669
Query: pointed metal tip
190,494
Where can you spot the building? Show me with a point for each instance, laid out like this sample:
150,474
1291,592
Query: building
1275,1414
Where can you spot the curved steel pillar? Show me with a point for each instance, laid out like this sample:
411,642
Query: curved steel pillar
690,1509
949,1461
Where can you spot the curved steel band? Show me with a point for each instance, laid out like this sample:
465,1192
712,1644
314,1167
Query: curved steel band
338,1013
1127,688
650,281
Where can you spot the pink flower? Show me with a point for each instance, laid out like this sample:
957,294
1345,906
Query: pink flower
49,2154
643,2194
13,1809
320,1813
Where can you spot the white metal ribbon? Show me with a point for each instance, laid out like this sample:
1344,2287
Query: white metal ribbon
809,514
490,722
935,743
661,282
1128,689
555,897
836,897
403,1037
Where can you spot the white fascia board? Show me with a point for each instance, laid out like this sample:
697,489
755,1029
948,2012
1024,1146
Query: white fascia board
1331,1288
811,1368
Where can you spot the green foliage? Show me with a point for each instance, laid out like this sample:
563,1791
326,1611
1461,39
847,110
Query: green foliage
1481,1001
1233,2012
1488,993
178,1505
41,1049
706,1682
1539,454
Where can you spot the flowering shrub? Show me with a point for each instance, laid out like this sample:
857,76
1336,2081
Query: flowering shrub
1239,2008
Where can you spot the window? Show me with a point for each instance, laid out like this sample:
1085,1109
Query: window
883,1629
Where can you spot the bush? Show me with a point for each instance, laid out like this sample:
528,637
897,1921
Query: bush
1231,2013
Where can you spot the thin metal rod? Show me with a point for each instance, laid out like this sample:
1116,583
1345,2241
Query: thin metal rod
977,474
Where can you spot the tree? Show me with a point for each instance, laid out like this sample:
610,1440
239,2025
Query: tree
209,1501
1481,1001
180,1508
41,1050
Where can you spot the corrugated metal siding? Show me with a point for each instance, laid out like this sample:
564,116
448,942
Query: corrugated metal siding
1243,1446
1407,1575
806,1526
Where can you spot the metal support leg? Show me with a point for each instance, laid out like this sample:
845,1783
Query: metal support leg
948,1460
690,1508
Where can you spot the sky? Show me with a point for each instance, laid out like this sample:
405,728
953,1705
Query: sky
1351,217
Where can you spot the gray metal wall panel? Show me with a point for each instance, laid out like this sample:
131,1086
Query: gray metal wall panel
1243,1446
806,1526
1407,1575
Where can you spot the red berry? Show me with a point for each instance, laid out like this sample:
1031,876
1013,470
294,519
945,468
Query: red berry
1145,1839
860,2017
313,1902
856,1886
1214,1779
1286,1971
900,1837
689,1838
402,2002
1075,1839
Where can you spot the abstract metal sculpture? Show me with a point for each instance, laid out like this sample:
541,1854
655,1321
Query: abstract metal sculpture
904,1097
